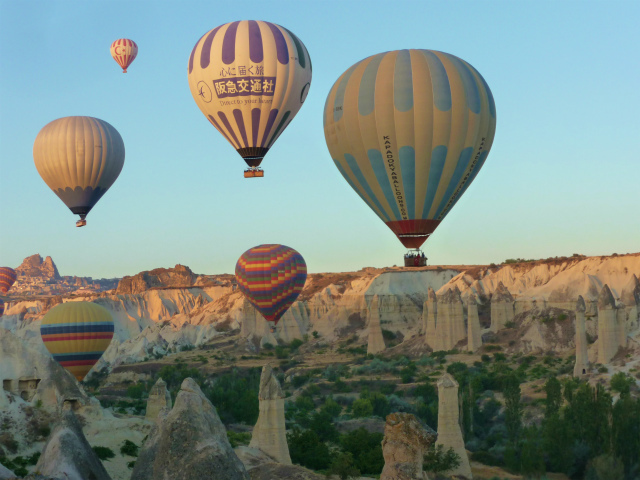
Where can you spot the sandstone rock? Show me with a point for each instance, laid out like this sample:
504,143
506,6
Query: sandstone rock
5,473
582,358
450,327
269,433
609,327
502,308
159,398
179,276
449,432
429,313
34,266
189,443
68,455
405,442
376,340
474,334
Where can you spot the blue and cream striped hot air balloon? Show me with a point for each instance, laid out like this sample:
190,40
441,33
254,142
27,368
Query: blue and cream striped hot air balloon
77,334
409,130
249,79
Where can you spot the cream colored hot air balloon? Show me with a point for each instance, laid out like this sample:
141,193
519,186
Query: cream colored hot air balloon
249,79
409,130
79,158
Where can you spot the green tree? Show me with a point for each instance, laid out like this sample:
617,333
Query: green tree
362,408
513,407
437,460
343,466
554,396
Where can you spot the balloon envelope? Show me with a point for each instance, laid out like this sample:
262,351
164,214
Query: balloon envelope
7,278
124,51
249,79
77,334
79,158
271,277
409,130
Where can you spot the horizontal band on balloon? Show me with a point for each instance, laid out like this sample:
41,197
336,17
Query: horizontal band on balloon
244,86
69,357
77,363
76,327
80,336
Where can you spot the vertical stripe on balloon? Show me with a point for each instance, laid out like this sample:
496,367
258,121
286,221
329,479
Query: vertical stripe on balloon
281,44
229,44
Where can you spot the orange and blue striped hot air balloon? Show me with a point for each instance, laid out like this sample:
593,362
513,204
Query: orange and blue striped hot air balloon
271,277
124,51
7,278
77,334
249,79
409,130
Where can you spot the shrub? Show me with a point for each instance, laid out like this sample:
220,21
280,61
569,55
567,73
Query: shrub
103,453
129,448
362,408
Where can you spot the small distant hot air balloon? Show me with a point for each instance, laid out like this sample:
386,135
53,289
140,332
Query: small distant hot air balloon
79,158
409,130
271,277
249,79
77,334
7,278
124,51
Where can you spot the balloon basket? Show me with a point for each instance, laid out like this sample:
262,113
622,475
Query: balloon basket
81,223
415,258
250,173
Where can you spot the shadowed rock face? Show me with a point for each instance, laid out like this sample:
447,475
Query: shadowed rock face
189,443
179,276
405,442
68,455
269,433
34,266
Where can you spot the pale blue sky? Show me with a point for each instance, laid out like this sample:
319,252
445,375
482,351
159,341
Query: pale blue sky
562,177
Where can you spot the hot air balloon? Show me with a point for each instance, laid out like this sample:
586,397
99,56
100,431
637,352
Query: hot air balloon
271,277
124,51
79,158
77,334
409,130
249,79
7,278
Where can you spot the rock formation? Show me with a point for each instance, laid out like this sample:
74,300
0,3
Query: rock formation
68,455
405,442
269,433
582,358
179,276
159,398
502,308
449,433
610,330
5,473
189,443
376,340
429,313
450,328
474,334
34,266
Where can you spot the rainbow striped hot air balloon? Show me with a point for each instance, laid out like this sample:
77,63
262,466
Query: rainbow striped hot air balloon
77,334
7,278
409,130
271,277
249,79
124,51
